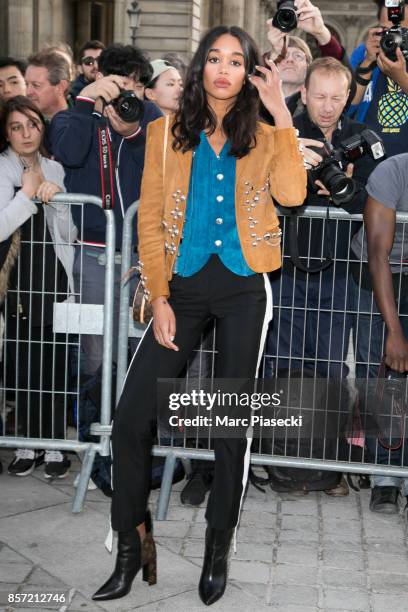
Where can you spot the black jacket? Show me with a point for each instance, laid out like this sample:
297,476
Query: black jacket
310,232
77,86
75,144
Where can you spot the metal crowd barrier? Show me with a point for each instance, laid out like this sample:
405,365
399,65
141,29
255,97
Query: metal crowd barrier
342,224
70,318
44,320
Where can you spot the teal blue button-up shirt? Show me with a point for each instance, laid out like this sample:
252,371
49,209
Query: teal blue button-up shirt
210,226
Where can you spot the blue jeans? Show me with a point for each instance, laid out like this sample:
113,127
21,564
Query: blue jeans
369,341
311,326
89,278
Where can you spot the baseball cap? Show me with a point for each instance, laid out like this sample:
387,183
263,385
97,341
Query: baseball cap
159,66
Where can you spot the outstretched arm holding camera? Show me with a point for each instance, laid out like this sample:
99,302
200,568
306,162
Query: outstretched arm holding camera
395,70
310,20
369,60
364,68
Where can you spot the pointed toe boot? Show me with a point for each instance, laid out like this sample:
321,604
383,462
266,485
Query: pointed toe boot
215,568
133,555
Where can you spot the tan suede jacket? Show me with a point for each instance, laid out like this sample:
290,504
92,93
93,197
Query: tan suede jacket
274,168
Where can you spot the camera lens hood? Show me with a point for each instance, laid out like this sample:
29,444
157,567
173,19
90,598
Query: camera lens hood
285,18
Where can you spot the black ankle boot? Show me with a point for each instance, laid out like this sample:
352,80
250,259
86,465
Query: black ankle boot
214,575
132,555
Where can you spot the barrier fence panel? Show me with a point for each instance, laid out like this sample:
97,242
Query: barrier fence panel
45,321
127,328
323,358
326,342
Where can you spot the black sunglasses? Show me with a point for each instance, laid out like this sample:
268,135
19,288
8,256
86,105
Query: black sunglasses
89,60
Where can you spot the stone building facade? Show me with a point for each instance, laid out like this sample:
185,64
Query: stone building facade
173,25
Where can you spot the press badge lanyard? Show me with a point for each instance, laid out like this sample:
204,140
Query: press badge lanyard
106,168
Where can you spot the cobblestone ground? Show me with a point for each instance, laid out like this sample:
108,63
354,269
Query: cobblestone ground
294,553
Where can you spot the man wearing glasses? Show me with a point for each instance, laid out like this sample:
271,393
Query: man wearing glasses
88,64
293,55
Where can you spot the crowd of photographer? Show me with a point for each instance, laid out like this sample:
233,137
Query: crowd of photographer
351,114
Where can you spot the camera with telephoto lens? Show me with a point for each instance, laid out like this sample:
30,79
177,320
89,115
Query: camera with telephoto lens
395,37
285,18
128,106
331,171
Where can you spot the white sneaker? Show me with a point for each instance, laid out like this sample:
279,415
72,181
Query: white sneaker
57,464
91,485
25,461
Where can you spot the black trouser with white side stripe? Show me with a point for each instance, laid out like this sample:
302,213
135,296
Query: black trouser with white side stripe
242,307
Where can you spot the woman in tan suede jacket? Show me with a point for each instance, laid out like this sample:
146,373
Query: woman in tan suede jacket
208,234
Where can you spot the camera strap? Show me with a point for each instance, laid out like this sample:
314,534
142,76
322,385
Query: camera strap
294,250
283,52
367,69
106,167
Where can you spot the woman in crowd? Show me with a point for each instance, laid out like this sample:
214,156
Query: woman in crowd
223,166
165,87
39,238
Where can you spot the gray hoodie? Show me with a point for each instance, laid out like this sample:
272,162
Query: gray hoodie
16,208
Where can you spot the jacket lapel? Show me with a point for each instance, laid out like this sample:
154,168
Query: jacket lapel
240,169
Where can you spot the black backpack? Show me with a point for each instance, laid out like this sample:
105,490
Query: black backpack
324,409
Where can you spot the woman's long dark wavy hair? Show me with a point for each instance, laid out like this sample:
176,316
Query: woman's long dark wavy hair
195,115
23,105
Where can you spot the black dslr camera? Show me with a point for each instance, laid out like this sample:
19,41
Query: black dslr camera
128,106
396,36
285,18
331,171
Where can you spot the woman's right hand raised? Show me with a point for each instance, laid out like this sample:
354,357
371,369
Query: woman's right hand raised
31,180
164,323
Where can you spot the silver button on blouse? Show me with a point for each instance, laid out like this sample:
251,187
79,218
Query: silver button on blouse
218,243
220,198
219,221
220,177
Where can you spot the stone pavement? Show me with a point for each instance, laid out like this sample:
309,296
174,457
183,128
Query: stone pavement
295,553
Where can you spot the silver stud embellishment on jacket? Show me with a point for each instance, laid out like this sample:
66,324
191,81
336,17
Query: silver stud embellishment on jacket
273,238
